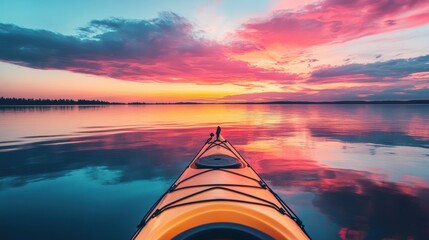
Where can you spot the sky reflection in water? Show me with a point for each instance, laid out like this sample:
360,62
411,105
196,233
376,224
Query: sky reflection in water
349,171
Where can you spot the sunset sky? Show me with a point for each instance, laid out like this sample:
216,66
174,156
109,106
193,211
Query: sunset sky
215,51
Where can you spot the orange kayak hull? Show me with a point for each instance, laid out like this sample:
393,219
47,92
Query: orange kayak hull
219,189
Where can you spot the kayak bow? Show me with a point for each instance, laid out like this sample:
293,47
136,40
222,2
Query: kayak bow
220,196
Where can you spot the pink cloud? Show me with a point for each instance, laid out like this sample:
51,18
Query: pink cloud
334,21
164,49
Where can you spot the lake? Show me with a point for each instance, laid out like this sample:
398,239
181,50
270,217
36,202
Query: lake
92,172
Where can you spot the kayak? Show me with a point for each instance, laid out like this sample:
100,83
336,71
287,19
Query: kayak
220,196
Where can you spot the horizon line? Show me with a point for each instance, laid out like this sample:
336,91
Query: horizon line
46,102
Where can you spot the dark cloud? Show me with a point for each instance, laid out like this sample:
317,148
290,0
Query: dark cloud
166,48
395,93
393,68
102,39
390,22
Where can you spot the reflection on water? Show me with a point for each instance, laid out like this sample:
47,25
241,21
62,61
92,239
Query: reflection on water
349,171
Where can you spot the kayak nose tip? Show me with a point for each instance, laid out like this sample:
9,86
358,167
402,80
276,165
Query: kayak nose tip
218,132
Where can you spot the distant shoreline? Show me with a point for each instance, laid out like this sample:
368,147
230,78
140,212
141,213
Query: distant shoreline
11,102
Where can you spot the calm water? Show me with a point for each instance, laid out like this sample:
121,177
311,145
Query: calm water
348,171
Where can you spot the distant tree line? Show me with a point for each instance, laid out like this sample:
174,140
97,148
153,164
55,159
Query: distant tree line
136,103
33,101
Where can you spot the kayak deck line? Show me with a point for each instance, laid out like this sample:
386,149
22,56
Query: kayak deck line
172,204
204,183
220,169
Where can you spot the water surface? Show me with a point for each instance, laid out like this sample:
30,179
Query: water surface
79,172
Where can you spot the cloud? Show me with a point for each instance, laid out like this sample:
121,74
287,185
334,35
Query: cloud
362,93
164,49
333,21
397,68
